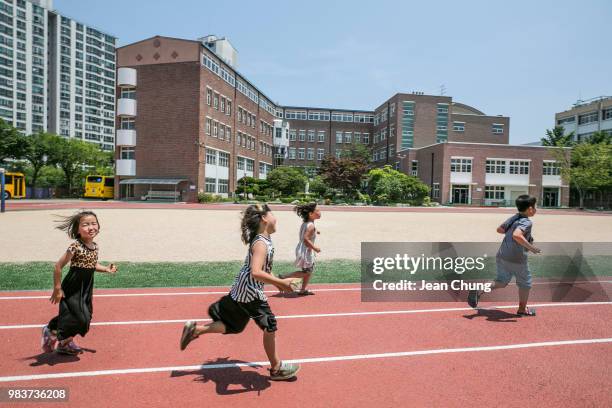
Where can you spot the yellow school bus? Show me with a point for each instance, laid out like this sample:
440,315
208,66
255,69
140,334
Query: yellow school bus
99,187
15,186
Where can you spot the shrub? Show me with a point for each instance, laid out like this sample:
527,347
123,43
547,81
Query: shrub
209,198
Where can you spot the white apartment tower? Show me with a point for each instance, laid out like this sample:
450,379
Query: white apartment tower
56,74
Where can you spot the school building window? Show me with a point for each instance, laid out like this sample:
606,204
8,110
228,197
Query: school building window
321,137
302,135
216,101
414,168
240,163
551,169
127,153
208,96
250,164
435,190
366,138
211,185
338,137
459,126
310,154
496,166
357,137
211,156
495,193
128,124
348,136
497,128
223,186
301,153
461,165
519,167
292,134
311,135
588,118
224,159
292,153
320,154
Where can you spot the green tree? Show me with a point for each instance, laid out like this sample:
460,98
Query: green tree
319,187
287,180
40,151
600,137
389,185
13,145
72,155
253,186
358,151
344,174
557,138
588,167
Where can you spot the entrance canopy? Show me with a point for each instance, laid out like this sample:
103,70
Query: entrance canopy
150,181
154,194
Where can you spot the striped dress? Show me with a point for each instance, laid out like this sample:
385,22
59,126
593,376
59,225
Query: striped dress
245,288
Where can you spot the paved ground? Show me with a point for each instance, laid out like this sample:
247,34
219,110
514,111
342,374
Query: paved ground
174,233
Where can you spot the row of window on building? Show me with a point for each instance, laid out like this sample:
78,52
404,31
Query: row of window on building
218,101
310,135
585,118
325,116
496,166
222,159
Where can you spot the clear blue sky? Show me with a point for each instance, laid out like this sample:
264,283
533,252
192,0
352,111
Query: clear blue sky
524,59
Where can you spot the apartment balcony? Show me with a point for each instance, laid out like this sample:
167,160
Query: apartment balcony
126,137
126,107
126,77
126,167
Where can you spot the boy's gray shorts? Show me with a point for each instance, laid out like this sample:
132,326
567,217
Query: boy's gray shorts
507,269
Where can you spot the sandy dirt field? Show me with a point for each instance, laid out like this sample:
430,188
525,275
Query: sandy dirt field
212,235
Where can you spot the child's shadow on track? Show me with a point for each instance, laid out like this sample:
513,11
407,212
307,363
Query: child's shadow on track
288,295
493,315
52,359
225,377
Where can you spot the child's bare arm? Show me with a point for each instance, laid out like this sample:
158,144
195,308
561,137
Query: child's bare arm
106,269
58,294
257,261
519,237
308,236
501,229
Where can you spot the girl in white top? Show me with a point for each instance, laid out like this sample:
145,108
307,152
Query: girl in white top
306,249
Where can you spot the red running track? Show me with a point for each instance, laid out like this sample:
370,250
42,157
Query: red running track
550,375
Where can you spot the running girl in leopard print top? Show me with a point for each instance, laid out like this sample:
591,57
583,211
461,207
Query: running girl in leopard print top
74,294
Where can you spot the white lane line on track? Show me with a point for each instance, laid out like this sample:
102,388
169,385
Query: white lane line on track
305,316
395,355
224,292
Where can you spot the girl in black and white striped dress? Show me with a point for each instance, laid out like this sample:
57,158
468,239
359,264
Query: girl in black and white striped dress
246,299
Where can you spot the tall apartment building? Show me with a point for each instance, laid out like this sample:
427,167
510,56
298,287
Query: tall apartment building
56,74
587,117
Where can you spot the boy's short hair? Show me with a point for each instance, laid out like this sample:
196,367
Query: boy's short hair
523,202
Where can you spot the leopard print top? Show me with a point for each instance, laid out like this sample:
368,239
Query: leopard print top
82,256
